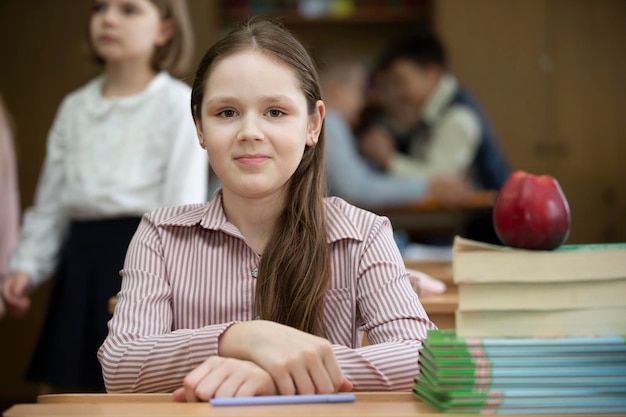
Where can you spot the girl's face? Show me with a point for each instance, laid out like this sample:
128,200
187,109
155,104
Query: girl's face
122,30
255,124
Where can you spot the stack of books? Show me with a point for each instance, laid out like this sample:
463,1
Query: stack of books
536,332
575,290
522,375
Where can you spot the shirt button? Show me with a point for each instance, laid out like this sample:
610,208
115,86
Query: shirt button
255,272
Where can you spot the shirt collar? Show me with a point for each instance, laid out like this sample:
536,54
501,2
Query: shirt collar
99,105
438,101
211,216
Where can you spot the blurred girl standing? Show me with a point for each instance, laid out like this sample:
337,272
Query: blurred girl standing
10,202
121,145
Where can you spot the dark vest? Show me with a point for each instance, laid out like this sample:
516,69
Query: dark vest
489,166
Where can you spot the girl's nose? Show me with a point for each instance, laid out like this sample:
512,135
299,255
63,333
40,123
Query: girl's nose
250,129
110,15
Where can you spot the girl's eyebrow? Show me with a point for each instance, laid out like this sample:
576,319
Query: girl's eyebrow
276,99
279,98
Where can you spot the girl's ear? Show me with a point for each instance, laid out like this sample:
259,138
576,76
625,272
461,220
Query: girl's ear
316,121
166,32
198,123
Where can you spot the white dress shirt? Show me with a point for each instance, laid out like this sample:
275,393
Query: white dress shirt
108,158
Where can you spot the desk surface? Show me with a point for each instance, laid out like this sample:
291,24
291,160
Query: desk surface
430,216
367,404
475,200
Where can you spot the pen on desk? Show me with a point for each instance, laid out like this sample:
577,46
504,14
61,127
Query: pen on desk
283,399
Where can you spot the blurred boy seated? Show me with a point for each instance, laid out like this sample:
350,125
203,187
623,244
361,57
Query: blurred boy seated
436,127
343,79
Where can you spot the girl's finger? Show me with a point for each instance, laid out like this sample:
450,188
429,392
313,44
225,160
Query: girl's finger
213,381
179,395
333,370
231,383
302,379
319,375
283,380
346,386
193,379
257,385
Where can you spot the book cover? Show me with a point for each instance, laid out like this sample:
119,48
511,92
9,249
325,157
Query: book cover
522,375
508,359
482,262
590,322
498,403
450,338
542,295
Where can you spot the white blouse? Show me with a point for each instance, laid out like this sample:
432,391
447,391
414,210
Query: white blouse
111,157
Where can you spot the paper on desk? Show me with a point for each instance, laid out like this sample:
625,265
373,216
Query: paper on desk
424,284
417,252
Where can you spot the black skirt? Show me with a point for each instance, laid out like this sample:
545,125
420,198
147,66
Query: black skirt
76,323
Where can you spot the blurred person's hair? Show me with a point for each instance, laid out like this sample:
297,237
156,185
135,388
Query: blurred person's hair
335,64
176,54
423,48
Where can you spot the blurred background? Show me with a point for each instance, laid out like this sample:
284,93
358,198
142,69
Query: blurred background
551,74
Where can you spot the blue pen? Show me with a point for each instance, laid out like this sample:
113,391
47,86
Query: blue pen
284,399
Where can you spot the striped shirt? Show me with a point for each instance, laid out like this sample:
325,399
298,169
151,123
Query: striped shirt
189,274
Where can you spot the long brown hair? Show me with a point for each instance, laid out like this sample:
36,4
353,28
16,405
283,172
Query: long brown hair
176,54
295,268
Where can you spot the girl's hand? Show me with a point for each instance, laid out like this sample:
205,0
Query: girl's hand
15,293
377,145
298,362
225,377
451,191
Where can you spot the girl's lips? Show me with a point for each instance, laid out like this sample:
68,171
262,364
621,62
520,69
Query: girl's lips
251,159
107,39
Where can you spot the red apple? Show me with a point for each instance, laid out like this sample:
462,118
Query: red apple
531,212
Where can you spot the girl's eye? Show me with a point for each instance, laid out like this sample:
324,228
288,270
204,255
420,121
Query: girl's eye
227,113
99,7
275,113
130,10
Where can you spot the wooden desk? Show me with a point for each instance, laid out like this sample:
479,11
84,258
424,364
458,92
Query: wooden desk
475,200
440,307
134,405
431,214
367,404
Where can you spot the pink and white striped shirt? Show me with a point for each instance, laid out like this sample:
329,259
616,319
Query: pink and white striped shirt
189,274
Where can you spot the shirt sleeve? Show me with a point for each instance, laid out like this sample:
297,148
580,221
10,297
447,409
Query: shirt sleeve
451,148
188,165
350,177
45,223
393,318
10,202
141,352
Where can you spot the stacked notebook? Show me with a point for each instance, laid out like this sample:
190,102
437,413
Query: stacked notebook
537,332
575,290
522,375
